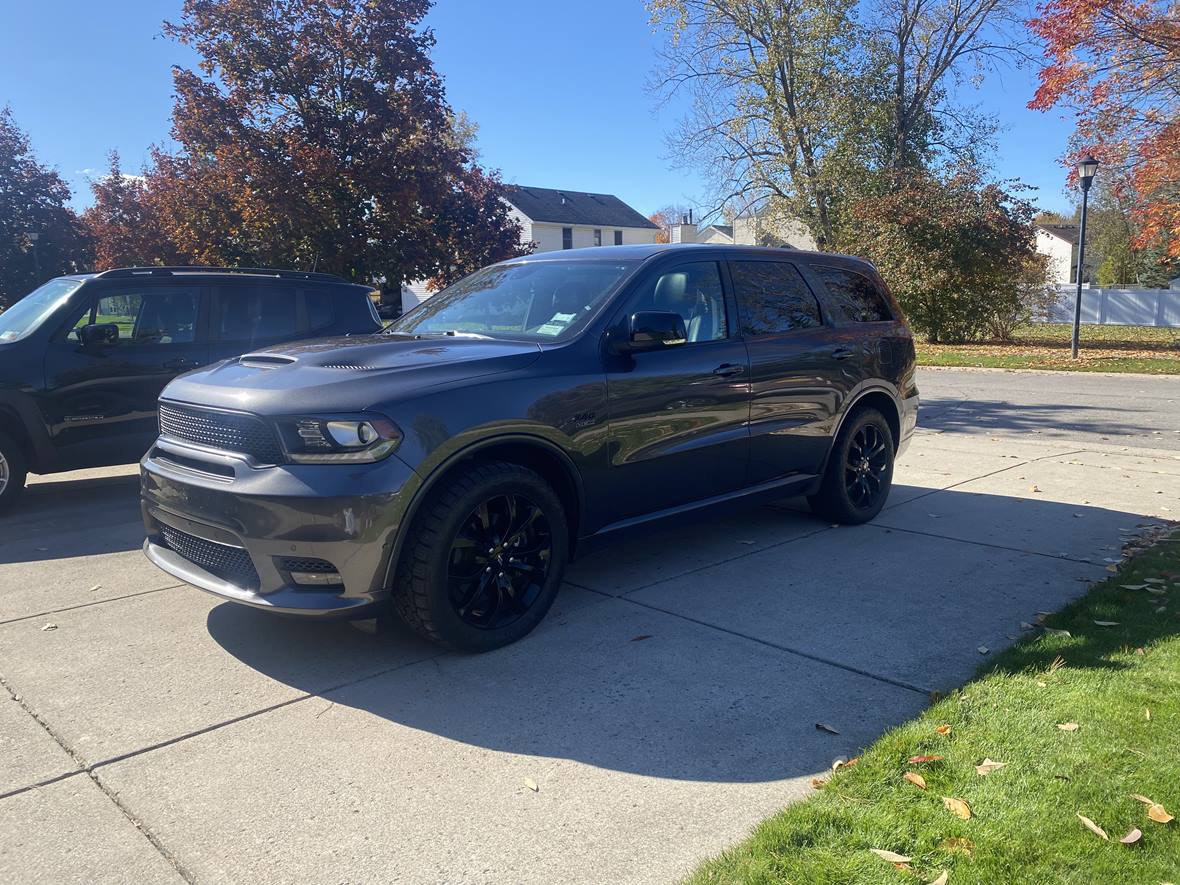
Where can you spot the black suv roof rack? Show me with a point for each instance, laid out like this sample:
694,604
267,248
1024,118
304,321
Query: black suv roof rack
154,271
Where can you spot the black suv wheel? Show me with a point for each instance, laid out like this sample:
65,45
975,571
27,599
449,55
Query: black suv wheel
860,470
484,558
13,471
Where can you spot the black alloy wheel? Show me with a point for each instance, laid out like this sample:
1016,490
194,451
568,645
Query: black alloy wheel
499,561
866,466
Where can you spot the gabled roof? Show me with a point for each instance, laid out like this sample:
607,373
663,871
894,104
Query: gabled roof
726,229
1067,232
574,207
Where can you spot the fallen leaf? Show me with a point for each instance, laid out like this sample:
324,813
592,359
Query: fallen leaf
987,766
817,783
1133,586
942,879
957,807
845,763
1132,837
49,627
819,726
1159,814
1093,827
531,784
1107,623
641,637
1147,713
916,779
1053,632
918,760
891,856
1034,488
983,649
95,587
958,845
1155,591
1069,726
943,729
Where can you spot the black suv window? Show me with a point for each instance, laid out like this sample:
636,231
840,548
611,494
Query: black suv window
320,314
693,291
255,313
149,316
854,295
773,297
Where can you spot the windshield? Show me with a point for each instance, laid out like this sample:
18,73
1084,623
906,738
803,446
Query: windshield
27,314
545,300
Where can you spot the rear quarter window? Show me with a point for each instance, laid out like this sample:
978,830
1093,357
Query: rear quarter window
854,296
320,311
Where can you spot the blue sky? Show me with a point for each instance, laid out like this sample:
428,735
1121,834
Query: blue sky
557,90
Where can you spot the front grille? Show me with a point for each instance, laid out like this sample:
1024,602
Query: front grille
231,564
228,431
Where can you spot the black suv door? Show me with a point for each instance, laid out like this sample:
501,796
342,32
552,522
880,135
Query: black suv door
797,366
678,416
100,400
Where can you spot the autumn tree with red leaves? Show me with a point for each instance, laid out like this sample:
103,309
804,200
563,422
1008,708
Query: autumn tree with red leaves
316,134
1115,65
123,225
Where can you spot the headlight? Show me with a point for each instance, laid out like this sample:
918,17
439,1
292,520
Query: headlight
344,438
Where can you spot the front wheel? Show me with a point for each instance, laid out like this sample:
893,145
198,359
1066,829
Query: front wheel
860,471
13,471
484,558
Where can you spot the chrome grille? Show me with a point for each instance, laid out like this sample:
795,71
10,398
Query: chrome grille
231,564
229,431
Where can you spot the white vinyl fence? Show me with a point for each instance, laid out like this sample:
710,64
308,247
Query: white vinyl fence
1118,307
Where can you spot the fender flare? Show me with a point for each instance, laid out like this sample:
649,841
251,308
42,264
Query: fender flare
850,407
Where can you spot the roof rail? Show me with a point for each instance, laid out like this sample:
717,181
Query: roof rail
155,271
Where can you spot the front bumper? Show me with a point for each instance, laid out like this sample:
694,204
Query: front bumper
235,530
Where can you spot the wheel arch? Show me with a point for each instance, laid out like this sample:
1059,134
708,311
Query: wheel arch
534,452
880,398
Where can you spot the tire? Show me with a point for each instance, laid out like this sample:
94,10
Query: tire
14,469
455,591
855,487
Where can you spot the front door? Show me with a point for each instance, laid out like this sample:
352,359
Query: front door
679,416
100,401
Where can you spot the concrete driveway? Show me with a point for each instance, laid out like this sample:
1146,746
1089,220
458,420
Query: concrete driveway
149,733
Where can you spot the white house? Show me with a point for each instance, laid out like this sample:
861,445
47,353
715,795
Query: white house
1059,242
558,219
755,228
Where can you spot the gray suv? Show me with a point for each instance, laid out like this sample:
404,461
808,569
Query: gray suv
450,466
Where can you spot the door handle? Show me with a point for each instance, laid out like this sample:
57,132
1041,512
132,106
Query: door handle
841,353
180,365
728,370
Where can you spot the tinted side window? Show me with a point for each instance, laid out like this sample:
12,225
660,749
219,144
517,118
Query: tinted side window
320,313
854,295
693,291
255,313
773,297
152,316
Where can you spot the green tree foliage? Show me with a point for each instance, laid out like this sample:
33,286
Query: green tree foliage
40,236
958,253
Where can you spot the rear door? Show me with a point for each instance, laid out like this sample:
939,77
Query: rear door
100,402
797,374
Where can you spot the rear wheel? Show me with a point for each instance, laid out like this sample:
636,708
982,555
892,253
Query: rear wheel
484,558
13,471
860,470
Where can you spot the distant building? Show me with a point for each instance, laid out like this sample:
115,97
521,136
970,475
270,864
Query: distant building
754,228
1059,242
560,219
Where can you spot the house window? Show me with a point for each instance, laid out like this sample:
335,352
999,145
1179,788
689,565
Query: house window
618,238
597,236
567,238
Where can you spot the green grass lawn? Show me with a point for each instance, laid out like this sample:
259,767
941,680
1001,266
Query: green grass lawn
1120,685
1047,346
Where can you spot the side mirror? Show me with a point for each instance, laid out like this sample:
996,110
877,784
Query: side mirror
98,335
654,330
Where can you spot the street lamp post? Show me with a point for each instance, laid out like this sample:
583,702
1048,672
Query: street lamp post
1087,166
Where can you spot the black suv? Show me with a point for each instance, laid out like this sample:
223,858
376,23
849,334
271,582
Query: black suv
83,358
452,463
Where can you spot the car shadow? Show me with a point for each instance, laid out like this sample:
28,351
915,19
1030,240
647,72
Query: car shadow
725,673
980,417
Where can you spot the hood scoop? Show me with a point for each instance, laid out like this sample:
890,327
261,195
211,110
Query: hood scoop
265,360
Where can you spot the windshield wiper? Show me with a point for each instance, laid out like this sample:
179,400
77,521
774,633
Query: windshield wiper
451,333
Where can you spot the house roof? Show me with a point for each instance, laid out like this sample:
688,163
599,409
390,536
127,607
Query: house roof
1067,232
726,229
575,207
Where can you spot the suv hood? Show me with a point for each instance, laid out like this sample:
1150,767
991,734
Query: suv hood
346,374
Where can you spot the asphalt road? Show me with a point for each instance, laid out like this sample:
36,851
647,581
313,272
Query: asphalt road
151,733
1130,410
